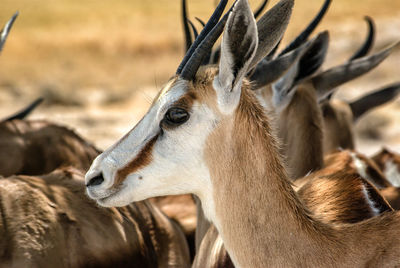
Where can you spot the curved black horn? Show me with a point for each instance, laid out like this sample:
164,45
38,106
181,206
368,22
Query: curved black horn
374,99
6,30
369,41
203,34
307,31
260,9
24,112
186,30
327,81
203,50
200,21
193,29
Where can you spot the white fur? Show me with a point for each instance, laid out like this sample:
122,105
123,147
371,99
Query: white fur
392,173
361,167
370,202
177,165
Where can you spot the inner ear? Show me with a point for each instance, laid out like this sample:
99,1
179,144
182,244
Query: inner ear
239,44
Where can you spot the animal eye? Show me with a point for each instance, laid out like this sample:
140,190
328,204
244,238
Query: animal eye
176,116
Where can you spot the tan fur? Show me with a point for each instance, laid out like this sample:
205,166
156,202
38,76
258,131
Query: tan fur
343,161
300,129
270,226
338,126
47,221
38,147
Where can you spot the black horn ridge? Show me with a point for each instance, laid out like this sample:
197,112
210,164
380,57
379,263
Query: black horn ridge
203,43
369,41
305,34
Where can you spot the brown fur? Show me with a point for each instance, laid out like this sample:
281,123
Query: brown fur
332,198
392,195
142,159
47,221
338,126
38,147
343,161
300,129
270,226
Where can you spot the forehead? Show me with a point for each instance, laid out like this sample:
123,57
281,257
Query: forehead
185,92
171,92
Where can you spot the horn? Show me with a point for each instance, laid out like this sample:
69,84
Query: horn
332,78
24,112
204,48
369,41
271,27
6,30
193,29
200,21
185,22
307,31
203,34
372,100
260,9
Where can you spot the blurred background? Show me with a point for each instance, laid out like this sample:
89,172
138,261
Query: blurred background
98,63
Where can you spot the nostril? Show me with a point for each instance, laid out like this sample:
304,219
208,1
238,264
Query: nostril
95,180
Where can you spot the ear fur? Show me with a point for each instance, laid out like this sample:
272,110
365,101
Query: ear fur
239,44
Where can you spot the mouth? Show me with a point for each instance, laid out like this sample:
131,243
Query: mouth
101,196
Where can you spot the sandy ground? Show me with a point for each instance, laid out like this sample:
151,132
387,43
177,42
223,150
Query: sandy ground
102,93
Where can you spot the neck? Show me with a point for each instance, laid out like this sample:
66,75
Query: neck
300,130
257,213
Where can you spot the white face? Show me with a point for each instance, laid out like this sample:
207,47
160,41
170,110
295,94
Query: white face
162,159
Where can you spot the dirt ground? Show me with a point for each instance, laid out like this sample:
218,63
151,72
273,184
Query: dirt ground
99,63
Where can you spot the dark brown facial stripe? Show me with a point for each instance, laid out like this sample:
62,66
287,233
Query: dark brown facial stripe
141,160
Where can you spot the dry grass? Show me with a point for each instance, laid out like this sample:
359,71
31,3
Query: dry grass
85,53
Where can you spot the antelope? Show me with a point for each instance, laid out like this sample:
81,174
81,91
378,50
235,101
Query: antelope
38,147
207,134
47,221
334,194
340,116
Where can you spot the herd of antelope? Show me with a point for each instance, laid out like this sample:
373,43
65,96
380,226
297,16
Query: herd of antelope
244,159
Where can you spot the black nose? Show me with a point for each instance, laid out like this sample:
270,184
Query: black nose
96,180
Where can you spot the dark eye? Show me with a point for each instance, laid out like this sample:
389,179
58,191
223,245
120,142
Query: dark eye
176,116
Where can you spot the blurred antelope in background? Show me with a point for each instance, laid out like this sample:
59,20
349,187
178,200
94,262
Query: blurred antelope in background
47,221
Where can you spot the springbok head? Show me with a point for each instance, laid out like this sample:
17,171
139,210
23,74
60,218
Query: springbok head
164,154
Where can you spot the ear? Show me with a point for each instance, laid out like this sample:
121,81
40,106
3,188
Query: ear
239,44
372,100
268,71
305,66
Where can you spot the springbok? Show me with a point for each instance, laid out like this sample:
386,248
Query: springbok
47,221
207,134
334,194
340,116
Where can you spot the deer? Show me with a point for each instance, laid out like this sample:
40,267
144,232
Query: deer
221,147
47,221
